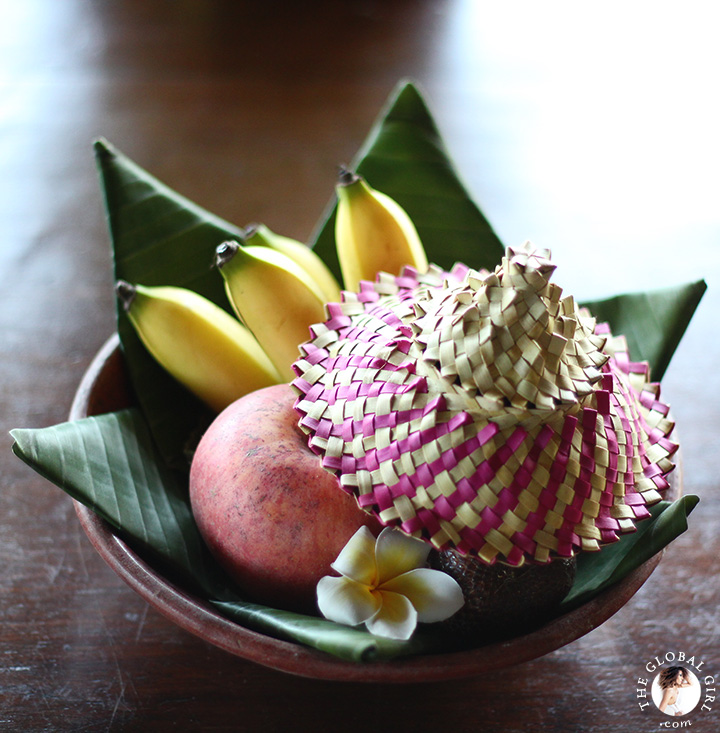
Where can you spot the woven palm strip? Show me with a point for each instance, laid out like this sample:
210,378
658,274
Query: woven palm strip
485,411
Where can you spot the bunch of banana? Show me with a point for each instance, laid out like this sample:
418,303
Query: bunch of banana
373,233
198,343
259,235
278,288
275,298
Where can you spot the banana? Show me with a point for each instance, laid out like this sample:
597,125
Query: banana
275,298
260,235
373,233
198,343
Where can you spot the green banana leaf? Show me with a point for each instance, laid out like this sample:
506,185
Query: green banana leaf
596,571
159,238
404,156
110,464
350,643
653,323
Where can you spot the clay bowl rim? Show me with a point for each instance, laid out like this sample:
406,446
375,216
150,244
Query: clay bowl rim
104,383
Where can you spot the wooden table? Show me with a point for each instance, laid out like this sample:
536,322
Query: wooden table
593,133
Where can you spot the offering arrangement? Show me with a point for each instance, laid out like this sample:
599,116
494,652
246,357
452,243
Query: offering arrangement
403,439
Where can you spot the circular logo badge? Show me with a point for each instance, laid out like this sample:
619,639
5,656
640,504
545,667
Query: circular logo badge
676,691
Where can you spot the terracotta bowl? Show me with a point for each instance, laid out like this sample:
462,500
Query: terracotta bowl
105,388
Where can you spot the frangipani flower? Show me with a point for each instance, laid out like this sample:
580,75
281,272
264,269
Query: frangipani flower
385,585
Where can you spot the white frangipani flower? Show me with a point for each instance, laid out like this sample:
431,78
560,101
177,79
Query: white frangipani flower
384,584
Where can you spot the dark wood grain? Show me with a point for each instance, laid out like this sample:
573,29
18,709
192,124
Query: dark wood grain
592,135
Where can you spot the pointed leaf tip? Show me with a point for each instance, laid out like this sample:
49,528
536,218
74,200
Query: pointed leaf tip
405,158
691,501
653,322
103,149
159,237
407,88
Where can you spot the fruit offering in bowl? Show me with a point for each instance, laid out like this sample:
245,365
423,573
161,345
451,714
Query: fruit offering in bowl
404,443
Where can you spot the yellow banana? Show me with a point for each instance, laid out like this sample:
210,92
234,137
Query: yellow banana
259,235
274,297
373,233
198,343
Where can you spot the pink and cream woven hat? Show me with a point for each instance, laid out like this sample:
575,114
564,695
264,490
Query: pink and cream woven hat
484,411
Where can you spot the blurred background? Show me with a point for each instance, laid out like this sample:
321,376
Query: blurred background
591,129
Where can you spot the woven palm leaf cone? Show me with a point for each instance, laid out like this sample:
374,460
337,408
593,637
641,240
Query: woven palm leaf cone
484,412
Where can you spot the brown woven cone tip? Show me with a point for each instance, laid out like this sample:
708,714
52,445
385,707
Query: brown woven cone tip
484,411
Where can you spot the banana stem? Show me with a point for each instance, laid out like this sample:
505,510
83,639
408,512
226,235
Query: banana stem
126,293
346,177
250,230
225,252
